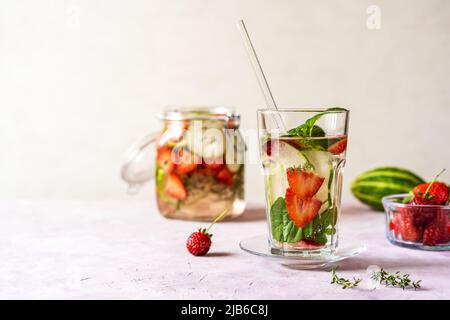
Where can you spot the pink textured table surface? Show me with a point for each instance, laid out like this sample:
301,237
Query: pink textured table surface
119,250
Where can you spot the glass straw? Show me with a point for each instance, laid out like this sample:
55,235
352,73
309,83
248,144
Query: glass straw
270,101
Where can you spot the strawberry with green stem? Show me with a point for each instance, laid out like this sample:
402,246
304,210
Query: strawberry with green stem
432,193
199,242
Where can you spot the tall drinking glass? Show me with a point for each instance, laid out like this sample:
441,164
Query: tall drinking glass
303,162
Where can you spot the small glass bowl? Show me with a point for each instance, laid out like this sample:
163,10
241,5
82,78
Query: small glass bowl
425,227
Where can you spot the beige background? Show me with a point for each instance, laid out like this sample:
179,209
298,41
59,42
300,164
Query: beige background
82,80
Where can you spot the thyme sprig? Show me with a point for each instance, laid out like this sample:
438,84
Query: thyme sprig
345,283
395,279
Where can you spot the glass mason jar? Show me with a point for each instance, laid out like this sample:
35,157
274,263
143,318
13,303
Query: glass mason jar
197,161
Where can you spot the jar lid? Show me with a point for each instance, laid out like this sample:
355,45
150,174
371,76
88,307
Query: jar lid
220,113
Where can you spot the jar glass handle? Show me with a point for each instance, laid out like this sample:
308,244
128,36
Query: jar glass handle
139,165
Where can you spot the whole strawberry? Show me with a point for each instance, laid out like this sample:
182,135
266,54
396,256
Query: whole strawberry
432,193
199,242
436,193
404,225
435,232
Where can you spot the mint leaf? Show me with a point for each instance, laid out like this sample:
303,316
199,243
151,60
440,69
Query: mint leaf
283,228
327,218
320,227
309,128
316,131
291,233
309,229
335,109
277,211
321,238
305,130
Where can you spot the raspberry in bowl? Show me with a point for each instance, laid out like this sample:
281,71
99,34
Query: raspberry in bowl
419,226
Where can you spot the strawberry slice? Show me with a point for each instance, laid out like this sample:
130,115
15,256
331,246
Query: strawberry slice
214,164
268,147
175,188
301,210
338,147
164,160
305,184
172,134
186,162
225,176
309,244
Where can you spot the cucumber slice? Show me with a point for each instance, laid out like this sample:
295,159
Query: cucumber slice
235,150
322,162
283,156
207,143
213,144
286,155
233,167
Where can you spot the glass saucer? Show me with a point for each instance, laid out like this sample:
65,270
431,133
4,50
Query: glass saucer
258,246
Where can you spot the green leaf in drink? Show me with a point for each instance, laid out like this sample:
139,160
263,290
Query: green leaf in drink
283,228
309,128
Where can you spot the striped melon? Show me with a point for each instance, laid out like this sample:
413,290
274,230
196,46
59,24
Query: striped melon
374,184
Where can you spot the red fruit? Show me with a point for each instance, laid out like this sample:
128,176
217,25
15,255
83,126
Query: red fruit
305,184
225,176
214,164
338,147
301,210
268,147
432,235
172,134
437,194
419,201
175,188
420,214
186,162
405,226
435,232
448,229
164,159
199,243
392,225
309,244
